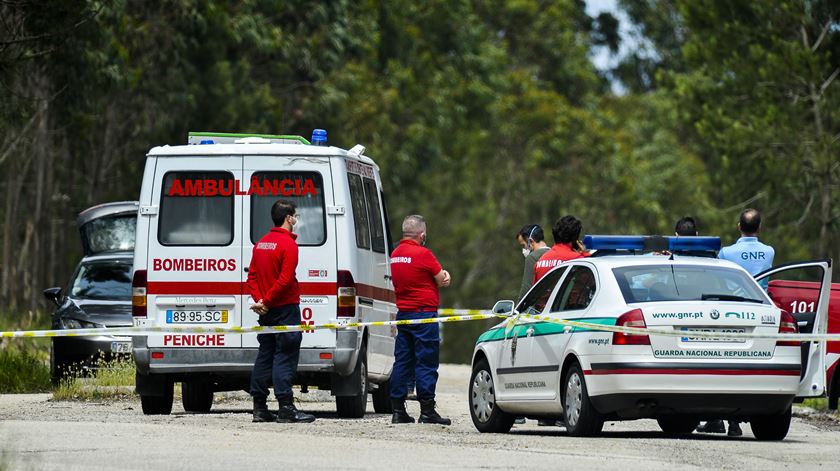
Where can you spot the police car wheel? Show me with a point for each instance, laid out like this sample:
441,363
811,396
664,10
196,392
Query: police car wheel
676,425
773,427
582,420
485,414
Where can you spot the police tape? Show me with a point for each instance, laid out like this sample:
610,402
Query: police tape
445,316
147,330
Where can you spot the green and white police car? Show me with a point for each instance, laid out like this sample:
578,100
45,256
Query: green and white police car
584,376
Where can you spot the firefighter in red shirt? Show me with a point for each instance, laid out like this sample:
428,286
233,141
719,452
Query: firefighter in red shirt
273,284
417,277
567,246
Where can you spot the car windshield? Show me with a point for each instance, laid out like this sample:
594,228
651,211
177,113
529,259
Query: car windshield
102,280
653,283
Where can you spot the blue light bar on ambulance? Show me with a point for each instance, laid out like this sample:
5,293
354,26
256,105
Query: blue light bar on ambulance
651,243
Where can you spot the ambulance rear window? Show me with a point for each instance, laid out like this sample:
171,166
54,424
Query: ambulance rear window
305,190
193,210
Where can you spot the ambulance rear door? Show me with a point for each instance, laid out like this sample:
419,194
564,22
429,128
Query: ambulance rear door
194,247
307,182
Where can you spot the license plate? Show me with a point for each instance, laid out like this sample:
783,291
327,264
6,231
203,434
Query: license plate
123,346
713,339
196,317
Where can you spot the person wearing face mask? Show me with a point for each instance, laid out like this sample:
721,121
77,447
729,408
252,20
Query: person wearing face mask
273,284
532,240
417,278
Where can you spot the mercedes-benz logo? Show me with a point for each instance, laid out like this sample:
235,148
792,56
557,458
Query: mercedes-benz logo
715,314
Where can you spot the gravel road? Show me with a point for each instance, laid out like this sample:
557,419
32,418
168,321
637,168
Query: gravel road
37,433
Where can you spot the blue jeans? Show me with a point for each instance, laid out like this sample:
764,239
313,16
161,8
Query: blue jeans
416,350
278,355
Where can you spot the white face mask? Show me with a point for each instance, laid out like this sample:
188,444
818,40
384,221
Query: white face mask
526,252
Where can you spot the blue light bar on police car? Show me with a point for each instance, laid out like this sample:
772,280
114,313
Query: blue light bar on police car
642,243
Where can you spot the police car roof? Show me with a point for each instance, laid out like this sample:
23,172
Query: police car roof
615,261
295,150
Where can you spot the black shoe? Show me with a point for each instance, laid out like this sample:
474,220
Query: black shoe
547,422
712,426
428,414
288,413
400,414
261,412
734,429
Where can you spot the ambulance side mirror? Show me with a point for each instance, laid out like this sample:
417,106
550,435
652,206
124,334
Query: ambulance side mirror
54,295
503,307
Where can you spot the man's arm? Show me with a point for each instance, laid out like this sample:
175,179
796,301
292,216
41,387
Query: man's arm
443,279
288,264
253,287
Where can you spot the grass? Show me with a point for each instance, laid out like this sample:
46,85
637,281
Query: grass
817,403
109,380
23,362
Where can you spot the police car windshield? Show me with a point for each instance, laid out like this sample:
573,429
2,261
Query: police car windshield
102,280
656,283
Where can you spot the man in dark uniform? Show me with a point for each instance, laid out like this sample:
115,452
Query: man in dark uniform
417,277
273,284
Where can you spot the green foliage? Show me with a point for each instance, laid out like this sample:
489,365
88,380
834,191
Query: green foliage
109,379
22,370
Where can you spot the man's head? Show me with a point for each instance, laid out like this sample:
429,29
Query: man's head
686,226
566,230
283,214
529,236
750,222
414,228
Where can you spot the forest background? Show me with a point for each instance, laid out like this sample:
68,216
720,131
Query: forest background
484,115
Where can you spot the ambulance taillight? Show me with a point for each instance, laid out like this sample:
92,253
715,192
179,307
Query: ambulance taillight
138,294
346,294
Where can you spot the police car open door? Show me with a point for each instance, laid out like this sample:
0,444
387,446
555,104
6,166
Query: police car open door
803,289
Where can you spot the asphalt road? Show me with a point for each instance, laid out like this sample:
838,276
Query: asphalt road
37,433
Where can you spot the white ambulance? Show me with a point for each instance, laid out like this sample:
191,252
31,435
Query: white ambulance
202,208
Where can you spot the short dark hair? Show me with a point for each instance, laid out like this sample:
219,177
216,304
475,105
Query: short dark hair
280,210
566,229
686,226
531,231
750,221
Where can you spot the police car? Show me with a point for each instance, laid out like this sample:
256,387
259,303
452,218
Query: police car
585,376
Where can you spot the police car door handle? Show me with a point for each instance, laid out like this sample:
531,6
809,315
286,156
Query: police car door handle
530,331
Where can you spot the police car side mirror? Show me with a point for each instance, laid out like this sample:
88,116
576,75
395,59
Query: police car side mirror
503,307
54,295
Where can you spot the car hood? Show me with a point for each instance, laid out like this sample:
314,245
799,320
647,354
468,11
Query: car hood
105,313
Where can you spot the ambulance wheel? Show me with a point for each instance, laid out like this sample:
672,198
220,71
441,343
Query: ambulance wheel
158,405
354,407
485,414
772,427
197,396
382,398
676,425
582,420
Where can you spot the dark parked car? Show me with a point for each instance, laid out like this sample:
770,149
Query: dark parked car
99,292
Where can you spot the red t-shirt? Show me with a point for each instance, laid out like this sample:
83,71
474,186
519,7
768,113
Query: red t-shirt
413,269
558,254
271,276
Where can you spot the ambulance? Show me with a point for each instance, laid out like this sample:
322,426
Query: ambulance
203,206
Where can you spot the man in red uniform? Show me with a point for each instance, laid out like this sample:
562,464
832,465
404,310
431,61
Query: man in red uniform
417,277
273,284
566,232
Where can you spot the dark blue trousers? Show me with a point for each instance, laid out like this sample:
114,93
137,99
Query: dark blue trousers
277,359
417,350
